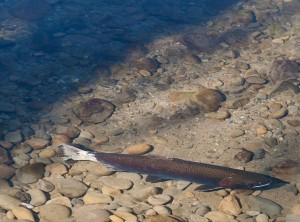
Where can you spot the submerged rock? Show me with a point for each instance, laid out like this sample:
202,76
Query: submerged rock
93,110
3,156
30,173
264,205
206,100
54,212
285,87
283,69
71,188
91,213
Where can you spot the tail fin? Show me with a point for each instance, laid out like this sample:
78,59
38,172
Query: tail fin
67,152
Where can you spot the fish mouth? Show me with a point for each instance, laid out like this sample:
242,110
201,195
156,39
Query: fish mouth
272,181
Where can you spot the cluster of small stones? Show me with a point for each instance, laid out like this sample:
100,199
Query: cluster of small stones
247,90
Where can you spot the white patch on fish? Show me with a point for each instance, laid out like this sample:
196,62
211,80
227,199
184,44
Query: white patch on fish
67,152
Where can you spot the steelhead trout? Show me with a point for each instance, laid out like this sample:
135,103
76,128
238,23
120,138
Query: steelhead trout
213,177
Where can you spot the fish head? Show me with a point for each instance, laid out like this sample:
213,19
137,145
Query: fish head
241,182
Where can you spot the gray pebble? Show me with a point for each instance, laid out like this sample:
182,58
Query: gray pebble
259,154
256,80
159,199
264,205
13,137
252,213
71,188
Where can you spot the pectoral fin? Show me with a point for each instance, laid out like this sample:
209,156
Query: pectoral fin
208,187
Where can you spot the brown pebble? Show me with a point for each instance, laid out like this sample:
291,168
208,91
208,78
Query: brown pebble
279,113
101,140
237,133
244,156
47,153
140,148
256,80
37,143
144,73
293,122
58,139
261,130
219,115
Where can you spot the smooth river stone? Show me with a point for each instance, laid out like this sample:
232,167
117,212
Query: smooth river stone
71,188
38,197
37,143
3,156
206,100
54,212
13,137
279,113
4,183
43,185
159,199
93,110
118,183
262,218
30,173
93,197
263,205
126,215
256,80
216,216
162,210
92,167
8,202
6,172
90,213
57,168
65,201
140,148
219,115
22,213
160,218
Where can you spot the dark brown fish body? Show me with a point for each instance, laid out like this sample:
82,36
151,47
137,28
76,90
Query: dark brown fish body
173,168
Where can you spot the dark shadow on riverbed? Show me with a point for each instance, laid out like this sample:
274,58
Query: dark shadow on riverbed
73,44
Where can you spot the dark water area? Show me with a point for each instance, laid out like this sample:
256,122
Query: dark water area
51,48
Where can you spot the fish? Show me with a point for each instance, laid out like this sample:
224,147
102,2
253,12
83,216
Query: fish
212,177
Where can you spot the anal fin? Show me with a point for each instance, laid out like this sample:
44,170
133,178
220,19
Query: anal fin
208,187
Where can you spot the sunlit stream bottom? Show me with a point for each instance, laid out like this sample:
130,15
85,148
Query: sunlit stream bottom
215,83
